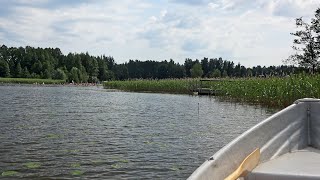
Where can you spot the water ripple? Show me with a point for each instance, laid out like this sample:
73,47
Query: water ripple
92,133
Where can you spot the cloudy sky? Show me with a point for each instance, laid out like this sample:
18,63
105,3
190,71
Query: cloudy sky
247,31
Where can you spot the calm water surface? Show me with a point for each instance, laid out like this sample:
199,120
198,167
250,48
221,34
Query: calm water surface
92,133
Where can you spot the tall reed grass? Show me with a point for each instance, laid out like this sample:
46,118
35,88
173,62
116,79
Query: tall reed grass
30,81
273,92
176,86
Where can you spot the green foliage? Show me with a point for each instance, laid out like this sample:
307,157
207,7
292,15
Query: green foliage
76,165
103,70
30,81
4,69
18,71
74,75
93,70
59,74
32,165
9,173
273,92
165,85
44,63
306,43
196,70
77,173
121,72
216,73
46,74
26,73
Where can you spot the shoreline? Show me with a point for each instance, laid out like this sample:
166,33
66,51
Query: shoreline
274,92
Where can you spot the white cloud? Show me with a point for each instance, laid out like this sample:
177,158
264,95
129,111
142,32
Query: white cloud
250,32
292,8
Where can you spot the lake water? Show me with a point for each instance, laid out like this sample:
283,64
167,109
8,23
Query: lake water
93,133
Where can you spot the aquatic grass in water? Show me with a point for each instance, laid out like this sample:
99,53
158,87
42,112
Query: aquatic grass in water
180,86
31,81
32,165
123,160
116,166
75,165
77,173
272,92
98,162
9,173
175,168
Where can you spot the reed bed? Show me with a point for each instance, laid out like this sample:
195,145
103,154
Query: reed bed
175,86
272,92
31,81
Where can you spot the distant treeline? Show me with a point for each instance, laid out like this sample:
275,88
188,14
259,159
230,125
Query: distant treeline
50,63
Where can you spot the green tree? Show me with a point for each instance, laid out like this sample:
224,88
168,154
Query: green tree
103,74
47,69
196,70
59,74
225,73
74,75
25,73
46,74
306,43
4,69
163,71
93,70
205,66
83,75
121,72
18,71
249,73
37,67
216,73
188,66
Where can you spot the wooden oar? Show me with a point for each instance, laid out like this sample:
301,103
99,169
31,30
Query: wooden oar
247,165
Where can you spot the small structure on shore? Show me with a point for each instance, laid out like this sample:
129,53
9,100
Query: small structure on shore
200,90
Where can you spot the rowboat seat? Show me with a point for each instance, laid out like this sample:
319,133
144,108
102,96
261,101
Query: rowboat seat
297,165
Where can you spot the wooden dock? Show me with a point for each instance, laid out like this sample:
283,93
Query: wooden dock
200,90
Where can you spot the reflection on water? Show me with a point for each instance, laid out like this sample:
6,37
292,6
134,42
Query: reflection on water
89,132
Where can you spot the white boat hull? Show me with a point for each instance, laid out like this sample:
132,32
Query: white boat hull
294,128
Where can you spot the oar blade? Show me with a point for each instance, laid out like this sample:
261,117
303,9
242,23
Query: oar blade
247,165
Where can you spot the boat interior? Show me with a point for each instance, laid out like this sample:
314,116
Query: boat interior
289,143
296,165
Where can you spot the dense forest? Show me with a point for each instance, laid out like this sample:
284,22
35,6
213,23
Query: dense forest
51,63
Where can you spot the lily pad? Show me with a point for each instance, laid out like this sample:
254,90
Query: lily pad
77,173
9,173
32,165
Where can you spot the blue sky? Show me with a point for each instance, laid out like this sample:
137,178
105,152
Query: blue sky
249,32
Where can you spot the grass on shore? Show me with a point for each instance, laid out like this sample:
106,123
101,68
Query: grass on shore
30,81
272,92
